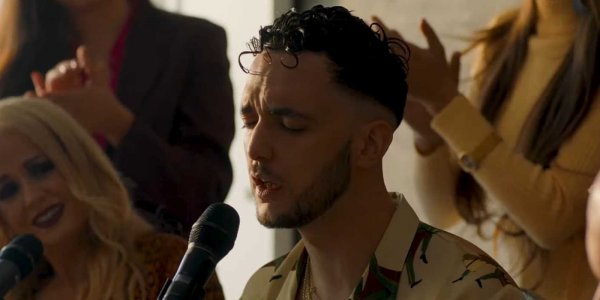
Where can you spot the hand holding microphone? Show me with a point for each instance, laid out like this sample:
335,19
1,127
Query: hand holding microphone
211,238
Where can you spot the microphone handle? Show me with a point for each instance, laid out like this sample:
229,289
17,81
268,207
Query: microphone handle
163,290
179,288
197,293
195,269
9,276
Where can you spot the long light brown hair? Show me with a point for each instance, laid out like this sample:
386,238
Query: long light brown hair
563,104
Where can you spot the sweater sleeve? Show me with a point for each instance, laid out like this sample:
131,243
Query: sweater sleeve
436,173
549,204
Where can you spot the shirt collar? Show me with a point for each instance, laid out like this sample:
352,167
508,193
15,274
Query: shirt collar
397,239
388,261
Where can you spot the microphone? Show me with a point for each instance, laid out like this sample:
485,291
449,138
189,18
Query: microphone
17,260
211,238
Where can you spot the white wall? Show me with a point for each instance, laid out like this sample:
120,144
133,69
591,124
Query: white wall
255,244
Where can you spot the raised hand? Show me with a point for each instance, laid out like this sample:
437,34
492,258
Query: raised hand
90,101
432,79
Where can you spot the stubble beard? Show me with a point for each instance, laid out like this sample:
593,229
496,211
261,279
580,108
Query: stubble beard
318,197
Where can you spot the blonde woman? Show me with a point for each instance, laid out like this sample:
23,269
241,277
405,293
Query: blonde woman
56,183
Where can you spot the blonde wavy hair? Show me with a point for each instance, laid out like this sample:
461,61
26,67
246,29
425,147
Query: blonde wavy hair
113,270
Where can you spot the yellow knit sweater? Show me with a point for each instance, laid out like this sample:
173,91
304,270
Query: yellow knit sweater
549,205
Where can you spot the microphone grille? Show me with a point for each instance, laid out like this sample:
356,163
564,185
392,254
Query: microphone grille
25,251
216,229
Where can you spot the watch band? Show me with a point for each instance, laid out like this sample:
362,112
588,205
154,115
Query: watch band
470,161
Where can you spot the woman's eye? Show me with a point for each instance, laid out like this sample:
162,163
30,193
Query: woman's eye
8,190
40,169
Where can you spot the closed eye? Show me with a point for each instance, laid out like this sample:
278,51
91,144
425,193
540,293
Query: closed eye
294,129
249,125
293,124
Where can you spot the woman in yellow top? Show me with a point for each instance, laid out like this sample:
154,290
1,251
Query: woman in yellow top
513,163
56,183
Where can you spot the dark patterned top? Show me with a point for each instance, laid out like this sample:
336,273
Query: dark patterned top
161,254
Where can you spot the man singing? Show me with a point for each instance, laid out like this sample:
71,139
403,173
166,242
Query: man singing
324,96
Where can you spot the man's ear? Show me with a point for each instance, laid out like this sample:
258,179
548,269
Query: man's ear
372,142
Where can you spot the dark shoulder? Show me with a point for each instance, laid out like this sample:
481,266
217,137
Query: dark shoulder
159,255
162,248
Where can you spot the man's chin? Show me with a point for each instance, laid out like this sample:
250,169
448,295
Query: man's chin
271,220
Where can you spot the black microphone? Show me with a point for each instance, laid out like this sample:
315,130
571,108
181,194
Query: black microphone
211,238
17,260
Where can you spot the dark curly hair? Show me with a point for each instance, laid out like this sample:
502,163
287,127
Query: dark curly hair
365,59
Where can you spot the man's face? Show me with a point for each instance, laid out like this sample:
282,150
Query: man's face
298,127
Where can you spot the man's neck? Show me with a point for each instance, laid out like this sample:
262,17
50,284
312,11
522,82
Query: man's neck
100,24
340,243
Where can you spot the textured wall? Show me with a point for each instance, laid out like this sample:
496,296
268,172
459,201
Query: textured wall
454,20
